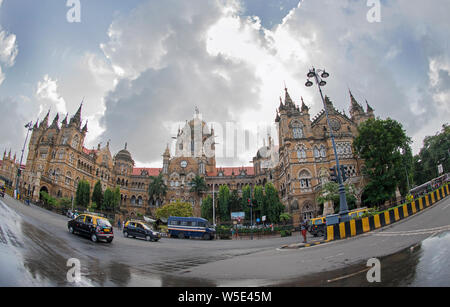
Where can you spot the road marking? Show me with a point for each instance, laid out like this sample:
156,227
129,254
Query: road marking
347,276
446,206
413,232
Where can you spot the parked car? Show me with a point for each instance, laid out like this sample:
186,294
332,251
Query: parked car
317,226
92,226
138,229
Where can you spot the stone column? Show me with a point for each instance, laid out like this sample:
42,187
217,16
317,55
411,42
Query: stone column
328,208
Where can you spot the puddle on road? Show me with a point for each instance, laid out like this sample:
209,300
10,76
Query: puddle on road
426,264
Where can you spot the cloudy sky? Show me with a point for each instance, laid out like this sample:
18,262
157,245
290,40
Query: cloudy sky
142,66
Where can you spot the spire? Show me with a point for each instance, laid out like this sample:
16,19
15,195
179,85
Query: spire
45,120
126,145
329,103
76,119
354,105
167,152
55,122
9,154
36,125
281,107
287,99
305,108
369,108
64,122
85,128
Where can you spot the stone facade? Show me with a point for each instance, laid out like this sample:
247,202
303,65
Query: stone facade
298,165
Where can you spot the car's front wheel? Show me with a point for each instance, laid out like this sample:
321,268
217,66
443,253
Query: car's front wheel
109,240
206,236
71,230
125,234
94,237
148,238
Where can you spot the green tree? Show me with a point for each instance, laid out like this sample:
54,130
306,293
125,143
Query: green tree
285,217
235,202
435,151
177,208
108,199
198,185
157,189
274,206
259,200
384,146
246,195
206,208
97,194
83,194
224,203
330,192
116,199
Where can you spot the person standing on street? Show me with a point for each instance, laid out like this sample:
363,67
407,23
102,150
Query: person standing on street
303,229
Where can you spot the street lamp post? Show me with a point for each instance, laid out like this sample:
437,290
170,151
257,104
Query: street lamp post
313,73
29,127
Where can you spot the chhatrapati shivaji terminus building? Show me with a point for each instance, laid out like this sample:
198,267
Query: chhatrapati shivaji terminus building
57,159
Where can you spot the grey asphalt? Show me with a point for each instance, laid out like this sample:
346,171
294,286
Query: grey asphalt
35,246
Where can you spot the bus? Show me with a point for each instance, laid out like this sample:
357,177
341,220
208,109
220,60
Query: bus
190,227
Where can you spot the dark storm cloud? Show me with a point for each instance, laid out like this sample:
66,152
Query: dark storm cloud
164,45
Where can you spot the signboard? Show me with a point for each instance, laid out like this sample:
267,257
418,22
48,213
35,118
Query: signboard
440,169
237,216
264,218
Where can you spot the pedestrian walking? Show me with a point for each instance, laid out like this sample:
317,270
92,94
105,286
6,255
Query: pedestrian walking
303,228
119,224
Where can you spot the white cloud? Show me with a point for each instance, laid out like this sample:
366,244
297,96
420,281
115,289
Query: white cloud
48,96
8,50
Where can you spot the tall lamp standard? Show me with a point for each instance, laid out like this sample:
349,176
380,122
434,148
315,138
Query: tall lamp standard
29,127
313,73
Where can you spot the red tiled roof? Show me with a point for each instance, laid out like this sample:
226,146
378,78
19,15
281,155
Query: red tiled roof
228,171
89,151
151,171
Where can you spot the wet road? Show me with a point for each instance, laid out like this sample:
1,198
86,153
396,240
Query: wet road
35,247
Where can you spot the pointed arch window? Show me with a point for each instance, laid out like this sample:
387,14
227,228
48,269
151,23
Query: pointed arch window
323,152
301,152
305,179
297,130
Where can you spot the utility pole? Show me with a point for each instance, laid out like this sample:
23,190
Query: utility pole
29,127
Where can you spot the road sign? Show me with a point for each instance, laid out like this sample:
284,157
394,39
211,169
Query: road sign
440,169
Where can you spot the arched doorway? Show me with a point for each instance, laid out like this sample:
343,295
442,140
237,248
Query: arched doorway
43,189
307,210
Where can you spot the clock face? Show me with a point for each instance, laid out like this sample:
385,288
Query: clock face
183,164
335,124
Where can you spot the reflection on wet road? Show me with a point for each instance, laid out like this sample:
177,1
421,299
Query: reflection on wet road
426,264
33,253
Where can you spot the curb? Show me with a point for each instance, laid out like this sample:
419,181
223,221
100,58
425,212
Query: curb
353,228
303,245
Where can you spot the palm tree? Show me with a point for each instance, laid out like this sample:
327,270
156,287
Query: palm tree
198,185
157,189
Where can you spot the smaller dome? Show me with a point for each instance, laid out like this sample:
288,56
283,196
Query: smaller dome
124,155
263,152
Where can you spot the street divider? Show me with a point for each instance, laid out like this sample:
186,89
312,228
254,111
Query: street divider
366,224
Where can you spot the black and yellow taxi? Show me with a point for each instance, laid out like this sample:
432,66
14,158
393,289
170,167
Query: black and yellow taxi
93,226
139,229
317,226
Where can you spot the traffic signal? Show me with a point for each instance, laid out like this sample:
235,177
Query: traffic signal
343,172
333,175
249,202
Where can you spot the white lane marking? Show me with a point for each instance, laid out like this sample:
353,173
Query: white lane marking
413,232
